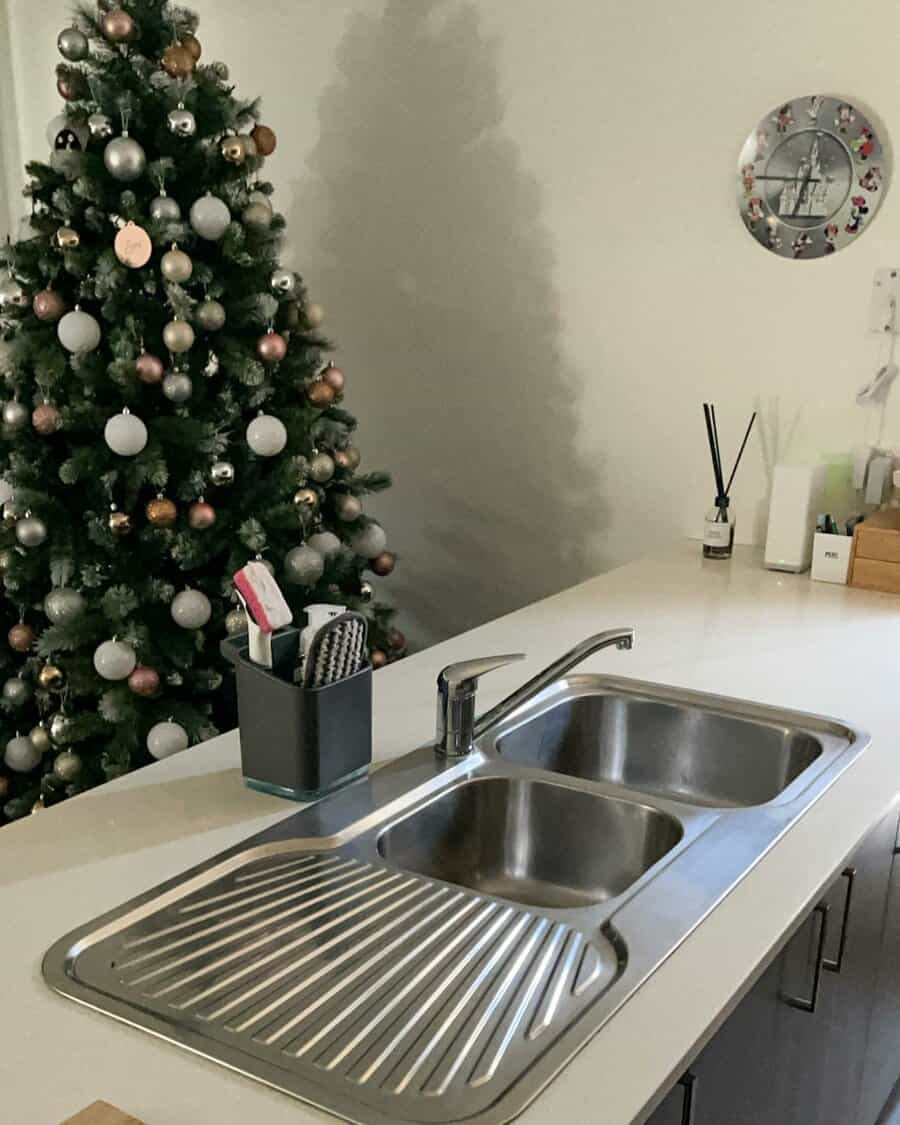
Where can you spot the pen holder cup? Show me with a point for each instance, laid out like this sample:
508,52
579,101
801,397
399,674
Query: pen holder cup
299,742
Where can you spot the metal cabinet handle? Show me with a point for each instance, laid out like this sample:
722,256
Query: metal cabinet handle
834,966
800,1002
688,1083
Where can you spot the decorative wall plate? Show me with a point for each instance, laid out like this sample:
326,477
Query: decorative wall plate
811,176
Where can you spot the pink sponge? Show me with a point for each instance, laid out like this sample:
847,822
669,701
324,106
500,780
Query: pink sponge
263,597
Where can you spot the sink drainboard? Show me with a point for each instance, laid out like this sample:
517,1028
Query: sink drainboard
420,998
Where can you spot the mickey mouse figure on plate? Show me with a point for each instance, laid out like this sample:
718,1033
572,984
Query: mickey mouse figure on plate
811,177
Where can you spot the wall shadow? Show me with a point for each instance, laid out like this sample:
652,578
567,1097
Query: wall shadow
424,240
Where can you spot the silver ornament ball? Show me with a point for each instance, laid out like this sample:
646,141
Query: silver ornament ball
100,126
16,692
236,622
73,44
326,543
15,415
177,387
67,766
178,336
164,209
125,434
257,215
210,316
182,122
369,542
166,739
125,159
210,217
61,729
31,531
114,660
21,755
64,605
222,474
191,609
284,283
13,298
303,566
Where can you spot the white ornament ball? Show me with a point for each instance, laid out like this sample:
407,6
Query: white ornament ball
326,543
31,531
78,332
304,566
114,660
166,739
125,434
266,435
210,217
191,609
369,542
21,756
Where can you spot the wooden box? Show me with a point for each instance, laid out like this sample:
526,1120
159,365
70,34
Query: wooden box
875,561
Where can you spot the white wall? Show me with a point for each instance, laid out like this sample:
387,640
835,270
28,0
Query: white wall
521,217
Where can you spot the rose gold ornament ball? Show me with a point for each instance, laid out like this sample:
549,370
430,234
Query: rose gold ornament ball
201,515
335,379
144,681
384,564
46,419
271,348
117,26
149,368
48,305
378,658
21,638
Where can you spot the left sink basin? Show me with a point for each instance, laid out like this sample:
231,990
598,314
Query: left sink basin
532,842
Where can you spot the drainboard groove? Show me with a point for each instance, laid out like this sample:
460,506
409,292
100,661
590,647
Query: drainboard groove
276,884
262,867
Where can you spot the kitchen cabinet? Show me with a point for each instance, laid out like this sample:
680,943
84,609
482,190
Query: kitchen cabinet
796,1048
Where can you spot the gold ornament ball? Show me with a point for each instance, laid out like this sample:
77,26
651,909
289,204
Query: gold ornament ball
320,394
51,677
307,498
236,622
21,638
233,150
162,512
315,314
176,266
46,419
117,26
40,739
384,564
353,457
48,305
201,515
68,239
178,61
6,558
192,44
119,523
265,140
178,336
335,379
378,658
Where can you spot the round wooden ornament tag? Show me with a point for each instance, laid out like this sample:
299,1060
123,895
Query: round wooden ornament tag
133,246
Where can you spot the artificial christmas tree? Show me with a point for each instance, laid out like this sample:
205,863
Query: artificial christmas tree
169,415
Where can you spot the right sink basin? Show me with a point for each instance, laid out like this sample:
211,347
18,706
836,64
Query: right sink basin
672,749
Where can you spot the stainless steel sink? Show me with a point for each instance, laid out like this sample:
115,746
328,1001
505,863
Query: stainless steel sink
434,943
693,753
531,841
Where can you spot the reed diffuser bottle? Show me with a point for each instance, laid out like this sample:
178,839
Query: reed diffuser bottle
718,526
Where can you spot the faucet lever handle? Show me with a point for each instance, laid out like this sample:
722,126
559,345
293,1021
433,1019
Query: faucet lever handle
462,678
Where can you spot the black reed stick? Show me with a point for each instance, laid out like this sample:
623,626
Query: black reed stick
713,449
740,454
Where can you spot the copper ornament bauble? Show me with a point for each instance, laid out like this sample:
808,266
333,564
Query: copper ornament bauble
341,459
119,523
117,26
144,681
307,498
353,457
383,564
320,394
177,61
21,638
162,512
70,84
192,44
68,239
335,379
149,368
266,141
378,658
233,150
46,419
48,305
51,677
271,348
201,515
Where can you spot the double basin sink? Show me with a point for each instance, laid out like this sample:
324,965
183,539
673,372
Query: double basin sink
434,943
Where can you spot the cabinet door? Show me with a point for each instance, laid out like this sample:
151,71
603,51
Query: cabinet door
882,1067
821,1053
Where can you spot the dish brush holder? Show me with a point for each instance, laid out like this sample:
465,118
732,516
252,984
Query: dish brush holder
299,742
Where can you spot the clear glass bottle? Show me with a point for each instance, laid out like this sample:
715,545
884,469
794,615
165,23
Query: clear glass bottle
718,530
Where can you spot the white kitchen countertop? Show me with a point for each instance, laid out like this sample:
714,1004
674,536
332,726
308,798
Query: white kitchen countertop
729,628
